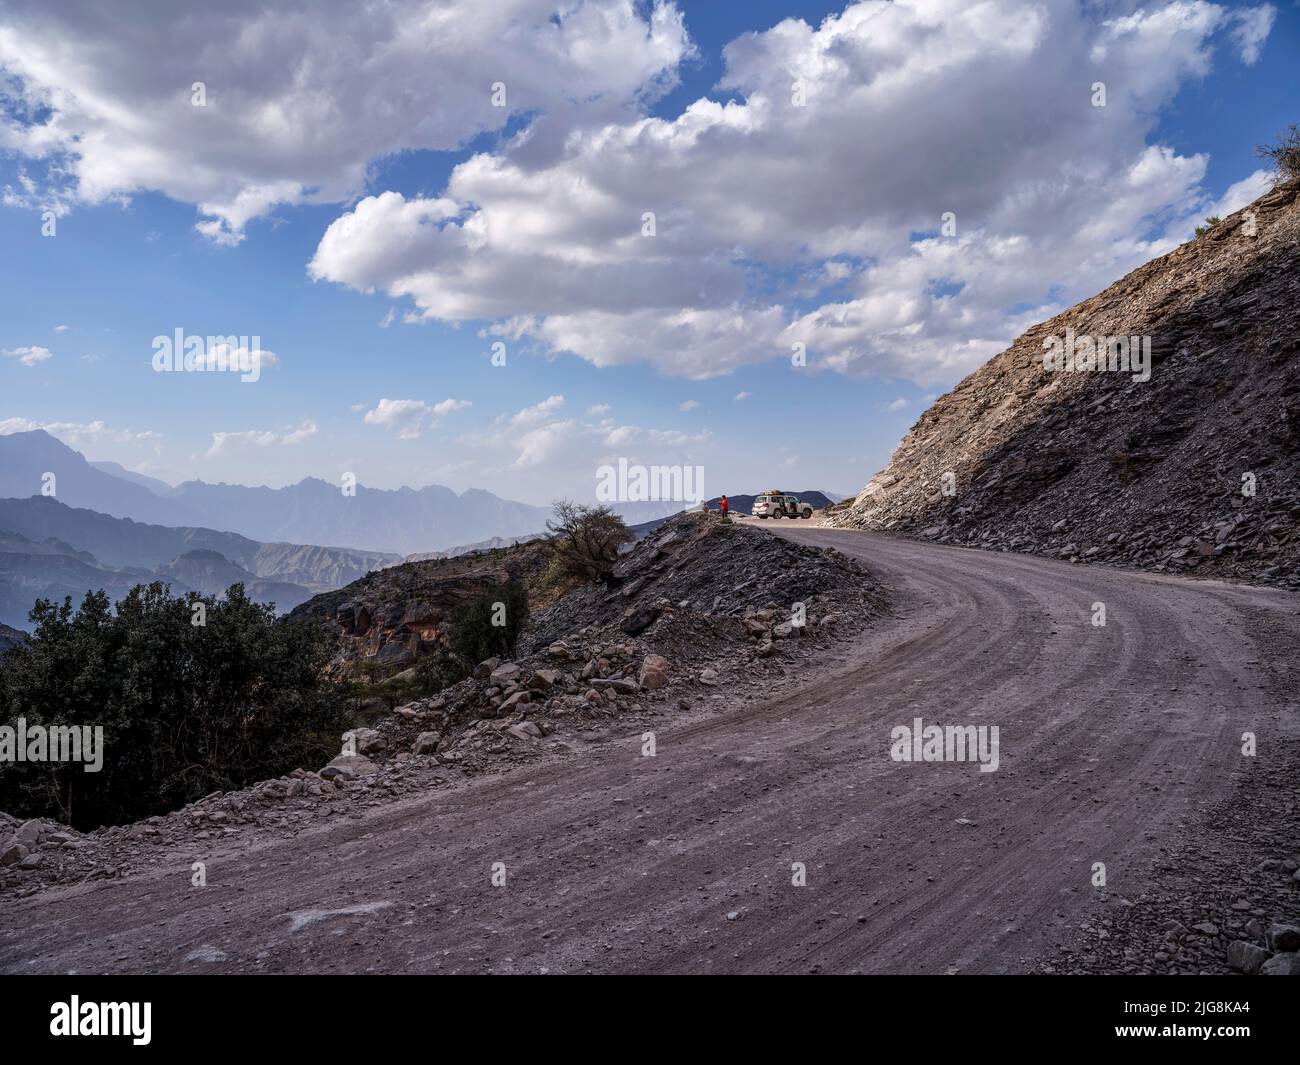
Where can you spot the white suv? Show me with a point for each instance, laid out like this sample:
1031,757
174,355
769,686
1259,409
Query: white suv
780,506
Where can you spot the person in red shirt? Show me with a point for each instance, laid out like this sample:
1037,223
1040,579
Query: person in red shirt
723,506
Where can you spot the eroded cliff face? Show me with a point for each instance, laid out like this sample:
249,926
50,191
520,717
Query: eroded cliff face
1194,469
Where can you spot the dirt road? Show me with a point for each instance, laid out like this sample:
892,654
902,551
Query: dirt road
1112,739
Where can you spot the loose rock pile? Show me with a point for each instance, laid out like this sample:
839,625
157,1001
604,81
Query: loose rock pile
1098,467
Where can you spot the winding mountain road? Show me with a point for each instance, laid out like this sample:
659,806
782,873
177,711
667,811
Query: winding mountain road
1112,742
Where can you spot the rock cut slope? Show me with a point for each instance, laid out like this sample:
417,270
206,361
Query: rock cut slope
1099,466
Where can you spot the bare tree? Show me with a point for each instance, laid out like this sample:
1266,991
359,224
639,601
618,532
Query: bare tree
1285,154
585,540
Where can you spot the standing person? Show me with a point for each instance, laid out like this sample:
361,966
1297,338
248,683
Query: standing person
723,506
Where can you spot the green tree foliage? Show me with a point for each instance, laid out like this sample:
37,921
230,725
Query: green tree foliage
490,626
186,709
1210,223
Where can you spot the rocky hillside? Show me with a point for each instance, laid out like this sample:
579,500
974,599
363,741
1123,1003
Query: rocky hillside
490,544
701,605
1101,467
693,563
392,616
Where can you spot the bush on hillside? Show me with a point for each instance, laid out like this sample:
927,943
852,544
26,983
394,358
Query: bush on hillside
1210,223
490,626
186,709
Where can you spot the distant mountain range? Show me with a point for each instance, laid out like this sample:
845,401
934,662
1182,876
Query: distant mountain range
105,527
122,543
50,550
403,521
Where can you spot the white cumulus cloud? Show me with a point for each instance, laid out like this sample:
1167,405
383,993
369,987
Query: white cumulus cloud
408,418
299,97
28,356
806,207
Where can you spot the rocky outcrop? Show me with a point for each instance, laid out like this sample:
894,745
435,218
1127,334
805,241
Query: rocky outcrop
1194,470
391,618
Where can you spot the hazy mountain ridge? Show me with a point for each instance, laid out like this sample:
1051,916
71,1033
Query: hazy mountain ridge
26,576
50,550
212,573
121,542
399,521
27,458
402,520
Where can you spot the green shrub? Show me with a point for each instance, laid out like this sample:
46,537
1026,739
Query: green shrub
1210,223
490,626
186,709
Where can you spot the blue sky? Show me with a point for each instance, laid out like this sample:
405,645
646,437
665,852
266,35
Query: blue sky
798,229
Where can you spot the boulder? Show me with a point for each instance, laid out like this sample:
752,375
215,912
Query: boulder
12,852
426,743
638,620
348,767
1246,957
365,740
654,672
504,674
518,699
30,831
544,679
525,730
1284,964
1284,937
484,669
